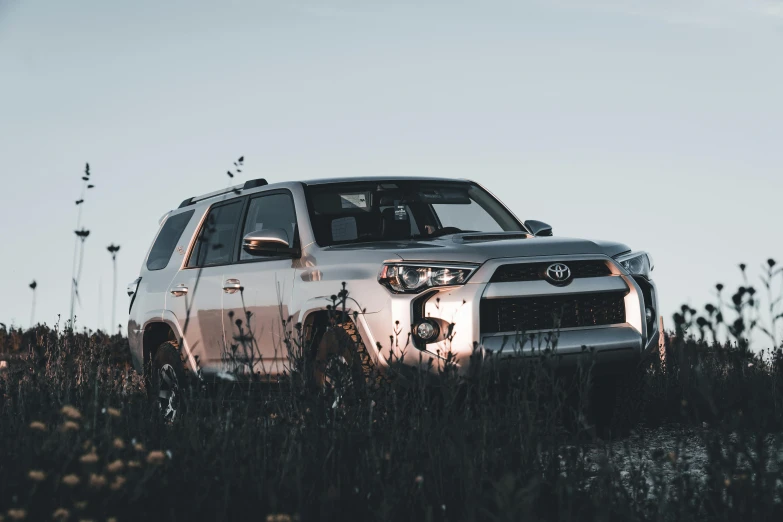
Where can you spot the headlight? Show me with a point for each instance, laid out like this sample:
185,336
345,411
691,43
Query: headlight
637,263
413,278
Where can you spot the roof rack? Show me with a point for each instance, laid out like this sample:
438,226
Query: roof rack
253,183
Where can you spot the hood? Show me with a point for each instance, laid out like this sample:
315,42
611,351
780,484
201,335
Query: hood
463,248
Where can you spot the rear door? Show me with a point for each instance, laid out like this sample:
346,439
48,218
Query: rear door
195,294
257,290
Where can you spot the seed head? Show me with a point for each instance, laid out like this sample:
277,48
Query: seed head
70,426
89,458
36,475
116,466
156,457
71,480
97,481
71,412
38,426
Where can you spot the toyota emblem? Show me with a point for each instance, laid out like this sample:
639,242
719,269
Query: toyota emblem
558,273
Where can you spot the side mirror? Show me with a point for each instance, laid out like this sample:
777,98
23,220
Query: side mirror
273,241
538,228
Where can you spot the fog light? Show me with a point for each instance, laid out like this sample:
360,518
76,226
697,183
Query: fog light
648,314
426,330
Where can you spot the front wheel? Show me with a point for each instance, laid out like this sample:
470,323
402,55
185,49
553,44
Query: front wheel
167,382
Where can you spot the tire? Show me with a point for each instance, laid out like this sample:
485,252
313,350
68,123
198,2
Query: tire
167,382
342,360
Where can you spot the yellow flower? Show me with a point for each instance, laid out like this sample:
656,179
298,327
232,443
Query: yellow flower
71,412
70,480
119,443
727,482
116,466
156,457
38,426
114,412
280,517
17,514
97,481
119,481
70,426
134,464
138,446
89,458
36,475
61,514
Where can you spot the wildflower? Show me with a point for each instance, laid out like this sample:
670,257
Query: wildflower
70,480
89,458
71,412
119,443
138,446
116,466
156,457
419,479
38,426
111,519
97,481
134,464
70,426
36,475
17,514
727,482
750,365
119,481
61,514
114,412
280,517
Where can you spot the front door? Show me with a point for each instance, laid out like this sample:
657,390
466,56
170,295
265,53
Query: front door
257,291
196,293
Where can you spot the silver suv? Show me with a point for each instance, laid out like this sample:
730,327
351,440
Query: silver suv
435,270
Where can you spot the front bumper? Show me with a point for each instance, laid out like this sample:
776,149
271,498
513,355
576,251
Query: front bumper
389,330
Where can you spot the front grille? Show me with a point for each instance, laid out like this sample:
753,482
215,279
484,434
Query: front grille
548,312
535,271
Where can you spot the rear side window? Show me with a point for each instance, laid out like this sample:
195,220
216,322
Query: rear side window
167,240
217,239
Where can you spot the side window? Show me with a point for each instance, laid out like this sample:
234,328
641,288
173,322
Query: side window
215,244
167,239
272,211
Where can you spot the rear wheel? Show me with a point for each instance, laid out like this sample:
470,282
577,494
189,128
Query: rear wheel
167,382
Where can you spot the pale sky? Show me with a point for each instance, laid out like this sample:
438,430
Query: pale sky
658,124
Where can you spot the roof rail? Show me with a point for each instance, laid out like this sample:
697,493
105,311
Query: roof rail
253,183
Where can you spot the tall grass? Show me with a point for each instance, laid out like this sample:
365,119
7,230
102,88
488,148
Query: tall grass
80,441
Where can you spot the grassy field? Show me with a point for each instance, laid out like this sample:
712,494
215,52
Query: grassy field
79,443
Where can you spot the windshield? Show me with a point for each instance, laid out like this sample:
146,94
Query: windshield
400,210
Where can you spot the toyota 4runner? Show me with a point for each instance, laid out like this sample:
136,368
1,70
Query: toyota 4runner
435,270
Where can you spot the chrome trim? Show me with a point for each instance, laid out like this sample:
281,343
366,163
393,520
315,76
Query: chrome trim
584,285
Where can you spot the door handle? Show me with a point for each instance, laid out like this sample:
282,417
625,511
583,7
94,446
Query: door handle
232,286
179,290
